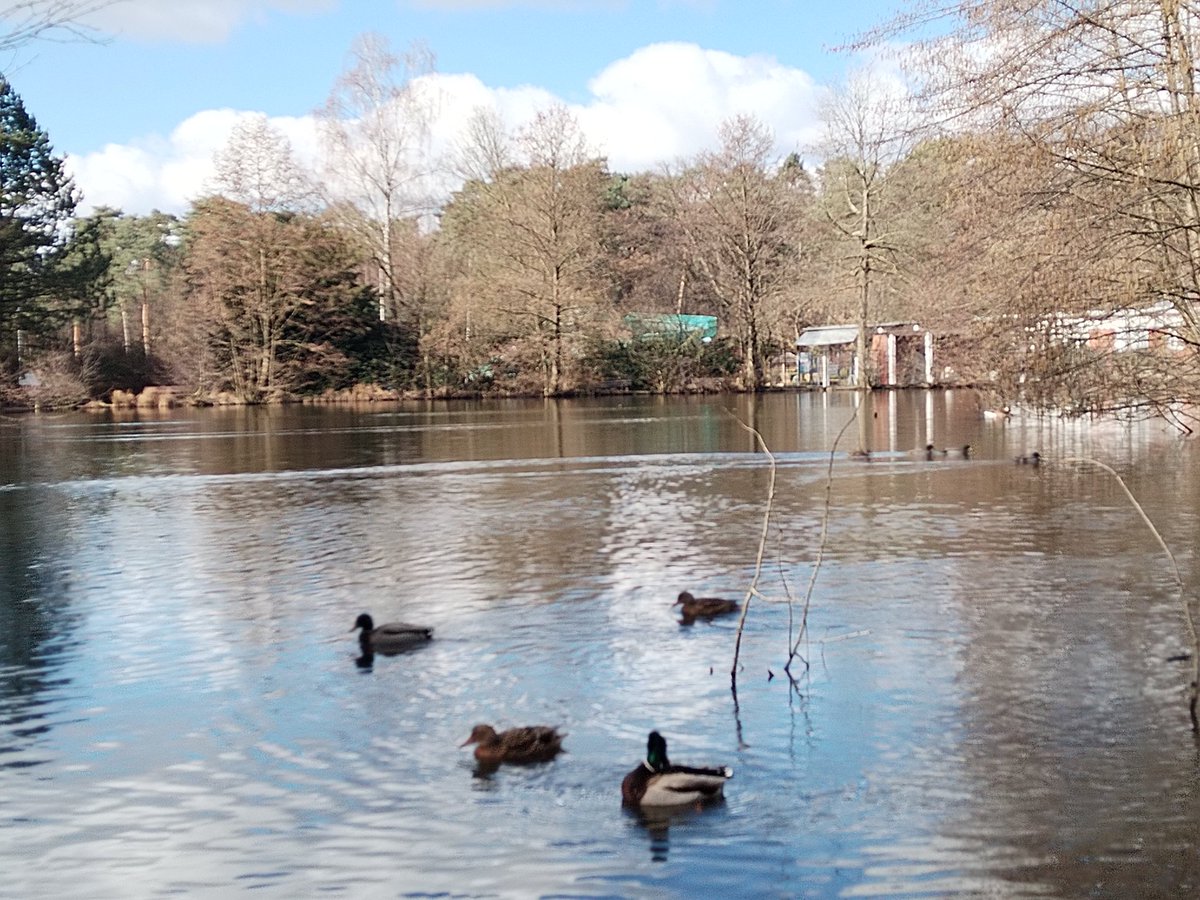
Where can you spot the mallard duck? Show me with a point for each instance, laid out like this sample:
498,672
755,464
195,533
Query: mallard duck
391,637
655,782
1033,459
860,454
963,452
529,744
693,608
926,452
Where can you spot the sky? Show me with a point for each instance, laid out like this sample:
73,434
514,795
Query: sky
140,113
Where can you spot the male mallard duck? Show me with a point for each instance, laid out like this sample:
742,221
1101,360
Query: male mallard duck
963,452
926,452
693,608
655,782
529,744
391,637
1033,459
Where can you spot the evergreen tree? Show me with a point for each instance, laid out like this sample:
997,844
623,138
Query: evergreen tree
47,266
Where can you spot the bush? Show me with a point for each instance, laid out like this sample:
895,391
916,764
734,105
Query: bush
658,365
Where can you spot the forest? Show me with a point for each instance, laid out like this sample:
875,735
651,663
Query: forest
1032,197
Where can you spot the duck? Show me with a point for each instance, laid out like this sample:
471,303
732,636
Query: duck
1033,459
926,452
657,783
860,453
391,637
963,452
693,608
527,744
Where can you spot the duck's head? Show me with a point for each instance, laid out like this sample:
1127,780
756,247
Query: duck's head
364,622
656,752
684,597
480,734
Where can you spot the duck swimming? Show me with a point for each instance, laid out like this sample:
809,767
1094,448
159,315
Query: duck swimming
391,637
693,608
926,452
1033,459
657,783
528,744
963,452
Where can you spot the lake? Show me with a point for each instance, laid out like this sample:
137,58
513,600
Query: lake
982,703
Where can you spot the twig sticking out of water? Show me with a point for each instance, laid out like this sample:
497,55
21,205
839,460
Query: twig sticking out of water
794,645
1183,601
758,560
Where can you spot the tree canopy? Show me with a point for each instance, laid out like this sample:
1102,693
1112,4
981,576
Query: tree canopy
50,270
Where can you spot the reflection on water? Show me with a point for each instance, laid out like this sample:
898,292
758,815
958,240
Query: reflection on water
985,704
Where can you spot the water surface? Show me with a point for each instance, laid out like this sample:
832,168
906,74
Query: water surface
983,705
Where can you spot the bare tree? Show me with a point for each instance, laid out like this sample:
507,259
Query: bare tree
1101,99
256,258
739,212
376,124
22,21
535,235
865,134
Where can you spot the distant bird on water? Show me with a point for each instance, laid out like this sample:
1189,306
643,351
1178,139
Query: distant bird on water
1033,459
860,454
963,452
392,637
926,452
657,783
528,744
693,608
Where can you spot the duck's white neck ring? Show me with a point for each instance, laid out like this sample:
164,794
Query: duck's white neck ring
646,763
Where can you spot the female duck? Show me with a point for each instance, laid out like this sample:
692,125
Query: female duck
693,608
529,744
657,783
391,637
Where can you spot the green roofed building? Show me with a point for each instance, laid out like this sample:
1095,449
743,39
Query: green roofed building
665,326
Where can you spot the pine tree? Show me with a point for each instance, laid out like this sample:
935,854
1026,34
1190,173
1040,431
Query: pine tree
48,268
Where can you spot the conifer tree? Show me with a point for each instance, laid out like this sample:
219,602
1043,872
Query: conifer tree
47,266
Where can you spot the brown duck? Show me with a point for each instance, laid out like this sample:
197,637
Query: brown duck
528,744
693,608
657,783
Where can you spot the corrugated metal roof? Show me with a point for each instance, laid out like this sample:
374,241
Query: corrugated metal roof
828,335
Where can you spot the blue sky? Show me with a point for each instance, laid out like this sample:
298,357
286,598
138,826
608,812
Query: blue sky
140,115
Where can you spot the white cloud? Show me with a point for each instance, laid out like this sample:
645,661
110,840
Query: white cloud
661,103
170,173
668,100
194,21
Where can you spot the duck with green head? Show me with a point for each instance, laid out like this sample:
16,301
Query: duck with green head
658,783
